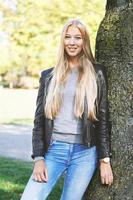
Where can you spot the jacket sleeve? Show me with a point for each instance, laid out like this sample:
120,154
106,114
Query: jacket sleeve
38,128
103,125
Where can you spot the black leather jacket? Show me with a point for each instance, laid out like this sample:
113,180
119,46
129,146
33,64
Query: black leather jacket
94,132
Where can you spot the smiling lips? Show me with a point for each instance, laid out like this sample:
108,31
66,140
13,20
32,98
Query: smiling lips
72,49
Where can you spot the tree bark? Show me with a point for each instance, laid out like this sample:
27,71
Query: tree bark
114,49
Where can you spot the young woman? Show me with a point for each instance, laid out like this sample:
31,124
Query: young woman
71,128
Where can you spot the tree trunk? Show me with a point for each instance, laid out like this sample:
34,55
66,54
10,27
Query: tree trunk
114,49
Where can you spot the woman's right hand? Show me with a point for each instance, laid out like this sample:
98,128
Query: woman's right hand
40,173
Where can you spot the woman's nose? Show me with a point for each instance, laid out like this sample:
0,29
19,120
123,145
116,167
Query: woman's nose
72,41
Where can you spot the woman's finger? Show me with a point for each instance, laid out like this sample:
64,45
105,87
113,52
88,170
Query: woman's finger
111,179
43,177
35,177
46,174
39,177
102,180
107,180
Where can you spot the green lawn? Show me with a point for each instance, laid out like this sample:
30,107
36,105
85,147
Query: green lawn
17,121
14,175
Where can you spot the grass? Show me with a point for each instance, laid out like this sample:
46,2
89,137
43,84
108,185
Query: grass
17,121
18,107
14,175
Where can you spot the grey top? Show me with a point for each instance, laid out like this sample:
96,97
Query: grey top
67,127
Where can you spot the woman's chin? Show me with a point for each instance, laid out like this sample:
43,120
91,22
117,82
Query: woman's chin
72,54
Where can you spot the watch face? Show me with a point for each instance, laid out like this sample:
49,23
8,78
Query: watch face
106,160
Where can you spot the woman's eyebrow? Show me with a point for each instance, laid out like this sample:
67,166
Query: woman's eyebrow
74,35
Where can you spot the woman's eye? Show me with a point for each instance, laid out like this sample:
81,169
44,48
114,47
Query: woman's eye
78,38
67,36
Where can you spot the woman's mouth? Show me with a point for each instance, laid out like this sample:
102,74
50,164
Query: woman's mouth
72,49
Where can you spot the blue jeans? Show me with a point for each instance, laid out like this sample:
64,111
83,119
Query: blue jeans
76,160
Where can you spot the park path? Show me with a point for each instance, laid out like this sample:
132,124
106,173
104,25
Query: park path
16,141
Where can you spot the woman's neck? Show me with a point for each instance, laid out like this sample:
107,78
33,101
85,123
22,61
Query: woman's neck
73,63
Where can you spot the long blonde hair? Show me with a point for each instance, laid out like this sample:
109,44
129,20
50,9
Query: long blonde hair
86,84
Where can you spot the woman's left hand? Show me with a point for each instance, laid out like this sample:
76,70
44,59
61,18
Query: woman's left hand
106,173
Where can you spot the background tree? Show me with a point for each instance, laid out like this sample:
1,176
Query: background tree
114,49
34,28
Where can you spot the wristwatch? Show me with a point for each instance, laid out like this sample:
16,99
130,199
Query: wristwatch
38,158
105,160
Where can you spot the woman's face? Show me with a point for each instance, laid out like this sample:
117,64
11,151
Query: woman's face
73,41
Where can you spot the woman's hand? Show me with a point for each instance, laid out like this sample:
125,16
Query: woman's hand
106,173
40,172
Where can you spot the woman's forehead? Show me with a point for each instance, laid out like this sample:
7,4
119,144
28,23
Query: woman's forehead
73,29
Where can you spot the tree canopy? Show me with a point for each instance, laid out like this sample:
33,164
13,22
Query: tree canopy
33,31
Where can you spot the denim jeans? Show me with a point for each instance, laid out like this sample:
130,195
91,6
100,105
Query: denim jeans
76,161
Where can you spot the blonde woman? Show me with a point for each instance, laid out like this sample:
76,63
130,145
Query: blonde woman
71,133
